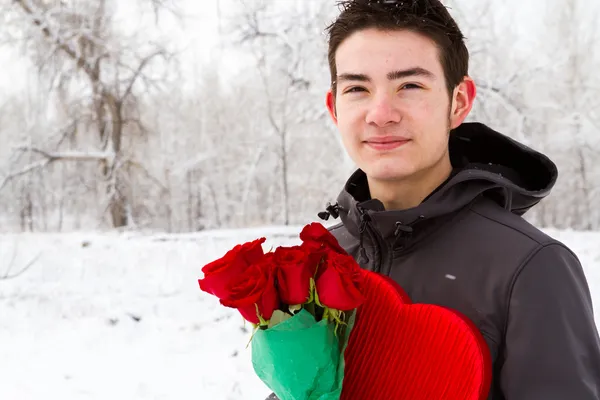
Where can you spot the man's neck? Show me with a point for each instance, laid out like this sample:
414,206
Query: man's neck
410,192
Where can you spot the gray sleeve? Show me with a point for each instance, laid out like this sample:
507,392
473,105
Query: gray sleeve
552,349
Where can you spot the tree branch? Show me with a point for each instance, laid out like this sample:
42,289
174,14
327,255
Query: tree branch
69,155
51,157
56,40
26,170
148,174
138,71
7,275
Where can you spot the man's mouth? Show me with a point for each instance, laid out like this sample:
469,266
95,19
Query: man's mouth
386,143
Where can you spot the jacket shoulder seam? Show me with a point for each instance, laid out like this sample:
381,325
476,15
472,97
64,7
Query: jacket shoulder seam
520,269
539,242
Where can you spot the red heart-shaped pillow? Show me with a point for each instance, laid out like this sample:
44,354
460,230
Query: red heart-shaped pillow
403,351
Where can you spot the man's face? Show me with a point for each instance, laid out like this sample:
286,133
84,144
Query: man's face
392,105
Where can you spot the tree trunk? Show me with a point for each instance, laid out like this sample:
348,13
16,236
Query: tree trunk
118,201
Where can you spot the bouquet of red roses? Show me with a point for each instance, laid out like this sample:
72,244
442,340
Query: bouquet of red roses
301,302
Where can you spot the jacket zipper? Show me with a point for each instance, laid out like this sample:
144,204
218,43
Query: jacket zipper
365,227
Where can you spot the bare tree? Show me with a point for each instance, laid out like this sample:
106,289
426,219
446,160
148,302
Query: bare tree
290,59
580,73
76,38
542,89
566,110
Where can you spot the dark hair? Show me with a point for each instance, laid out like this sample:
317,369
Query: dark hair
427,17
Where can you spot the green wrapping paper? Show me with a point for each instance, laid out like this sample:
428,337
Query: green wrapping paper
300,358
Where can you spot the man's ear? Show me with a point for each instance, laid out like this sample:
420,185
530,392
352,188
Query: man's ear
330,101
462,101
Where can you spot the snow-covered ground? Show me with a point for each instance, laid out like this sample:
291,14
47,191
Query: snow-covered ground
108,316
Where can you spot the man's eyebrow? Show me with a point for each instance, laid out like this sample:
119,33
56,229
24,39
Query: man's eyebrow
417,71
353,77
399,74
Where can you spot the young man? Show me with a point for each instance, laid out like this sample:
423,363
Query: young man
436,203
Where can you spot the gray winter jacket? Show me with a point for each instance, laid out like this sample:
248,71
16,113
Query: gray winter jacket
467,247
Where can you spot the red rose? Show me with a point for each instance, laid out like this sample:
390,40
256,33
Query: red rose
219,274
317,236
295,267
338,282
255,287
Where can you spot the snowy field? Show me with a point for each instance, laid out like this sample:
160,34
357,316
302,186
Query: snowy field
120,316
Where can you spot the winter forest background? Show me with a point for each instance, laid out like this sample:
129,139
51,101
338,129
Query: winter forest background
142,139
180,116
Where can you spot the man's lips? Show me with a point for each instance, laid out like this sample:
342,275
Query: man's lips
386,143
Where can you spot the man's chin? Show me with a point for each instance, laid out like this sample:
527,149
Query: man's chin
387,175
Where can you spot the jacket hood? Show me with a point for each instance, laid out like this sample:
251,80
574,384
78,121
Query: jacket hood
485,163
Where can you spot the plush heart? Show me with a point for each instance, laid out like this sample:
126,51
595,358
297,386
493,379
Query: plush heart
403,351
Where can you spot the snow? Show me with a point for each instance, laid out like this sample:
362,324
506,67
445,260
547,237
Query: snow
69,325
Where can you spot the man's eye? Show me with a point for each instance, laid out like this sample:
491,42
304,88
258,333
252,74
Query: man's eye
411,86
355,89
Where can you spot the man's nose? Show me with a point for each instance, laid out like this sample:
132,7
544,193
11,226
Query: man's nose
382,111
